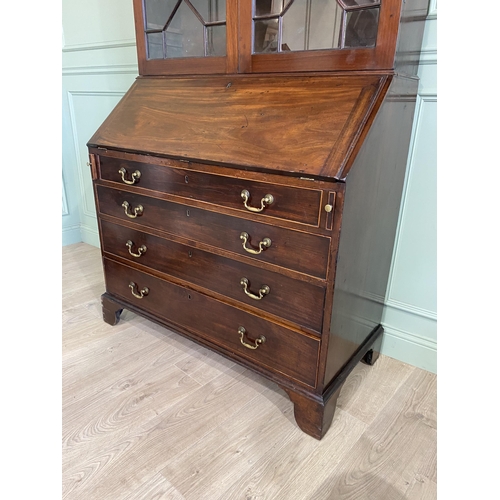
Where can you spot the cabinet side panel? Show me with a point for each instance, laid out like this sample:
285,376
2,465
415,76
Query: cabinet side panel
372,201
411,32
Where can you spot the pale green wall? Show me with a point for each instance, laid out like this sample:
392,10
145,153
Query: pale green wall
410,315
99,66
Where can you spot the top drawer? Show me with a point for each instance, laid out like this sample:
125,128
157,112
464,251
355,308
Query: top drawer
265,199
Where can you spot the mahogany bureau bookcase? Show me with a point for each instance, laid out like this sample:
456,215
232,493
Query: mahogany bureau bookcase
248,184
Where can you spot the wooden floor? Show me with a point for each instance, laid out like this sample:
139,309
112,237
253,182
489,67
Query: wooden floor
148,414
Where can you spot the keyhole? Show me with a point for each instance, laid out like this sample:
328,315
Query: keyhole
186,179
190,254
189,296
187,213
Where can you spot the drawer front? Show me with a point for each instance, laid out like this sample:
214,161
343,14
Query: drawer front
290,203
303,252
284,351
293,300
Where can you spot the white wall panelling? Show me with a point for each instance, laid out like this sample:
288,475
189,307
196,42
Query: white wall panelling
99,65
64,200
410,314
433,9
71,221
98,46
71,212
94,24
84,111
88,109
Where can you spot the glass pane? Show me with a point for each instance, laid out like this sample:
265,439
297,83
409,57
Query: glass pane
174,45
216,40
326,25
185,34
263,7
314,24
155,45
355,3
361,28
158,12
296,26
210,10
266,36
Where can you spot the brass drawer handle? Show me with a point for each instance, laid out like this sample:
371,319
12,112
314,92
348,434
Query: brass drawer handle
265,243
137,210
264,290
256,342
142,293
141,250
267,200
135,176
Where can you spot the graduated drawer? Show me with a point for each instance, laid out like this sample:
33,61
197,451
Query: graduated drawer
290,203
284,351
293,300
303,252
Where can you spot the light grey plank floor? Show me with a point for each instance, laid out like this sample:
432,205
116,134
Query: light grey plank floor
149,415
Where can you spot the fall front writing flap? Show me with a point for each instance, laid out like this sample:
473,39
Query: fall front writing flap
308,126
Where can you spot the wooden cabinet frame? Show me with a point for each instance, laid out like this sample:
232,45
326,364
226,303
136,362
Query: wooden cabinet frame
239,57
194,139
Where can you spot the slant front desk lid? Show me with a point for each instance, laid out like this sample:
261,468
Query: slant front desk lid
309,126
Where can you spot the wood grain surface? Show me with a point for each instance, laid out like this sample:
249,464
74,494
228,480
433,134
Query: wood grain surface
148,414
285,124
308,252
300,205
290,299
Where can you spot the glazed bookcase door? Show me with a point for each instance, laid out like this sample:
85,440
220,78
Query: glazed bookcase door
176,37
186,36
323,35
297,25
